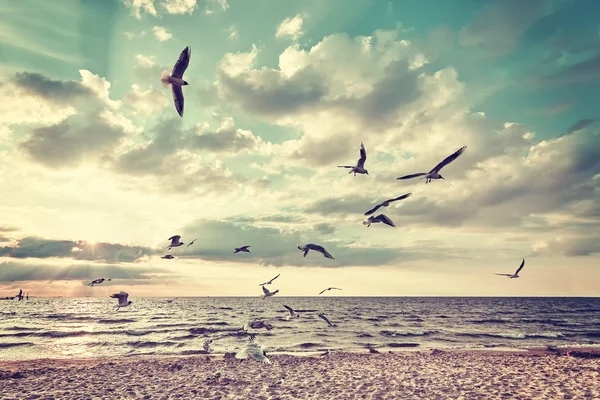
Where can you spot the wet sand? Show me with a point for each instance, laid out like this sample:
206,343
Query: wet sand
531,374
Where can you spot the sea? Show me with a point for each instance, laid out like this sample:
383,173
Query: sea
63,328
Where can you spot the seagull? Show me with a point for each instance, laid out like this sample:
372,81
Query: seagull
254,351
243,248
516,274
292,313
380,218
168,257
98,281
269,282
387,203
359,168
324,318
315,247
175,79
256,324
329,288
191,243
122,296
435,172
268,293
175,242
206,345
172,300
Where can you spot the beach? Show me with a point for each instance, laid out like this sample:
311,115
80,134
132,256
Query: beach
398,375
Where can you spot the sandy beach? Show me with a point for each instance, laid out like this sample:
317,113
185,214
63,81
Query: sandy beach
399,375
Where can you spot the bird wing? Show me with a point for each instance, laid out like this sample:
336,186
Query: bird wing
178,98
244,247
325,319
289,309
448,159
320,249
265,290
412,175
385,219
345,166
274,278
363,156
404,196
175,238
323,291
336,288
372,210
182,63
503,274
521,267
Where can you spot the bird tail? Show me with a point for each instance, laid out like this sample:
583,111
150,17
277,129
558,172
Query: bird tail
164,78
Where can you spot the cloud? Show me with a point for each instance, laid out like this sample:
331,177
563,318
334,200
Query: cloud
324,228
144,61
179,6
133,275
34,247
582,123
496,28
290,27
136,7
233,33
568,246
149,101
161,33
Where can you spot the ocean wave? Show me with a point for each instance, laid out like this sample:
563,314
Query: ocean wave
149,343
488,321
16,344
309,345
514,335
116,321
405,333
22,328
402,344
365,335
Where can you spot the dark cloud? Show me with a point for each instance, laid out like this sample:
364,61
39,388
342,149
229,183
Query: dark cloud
339,205
582,123
61,91
6,229
71,141
34,247
324,228
497,28
20,272
581,73
573,246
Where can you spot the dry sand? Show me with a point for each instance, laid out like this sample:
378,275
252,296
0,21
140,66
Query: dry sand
400,375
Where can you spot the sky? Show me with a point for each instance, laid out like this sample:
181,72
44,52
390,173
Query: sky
97,170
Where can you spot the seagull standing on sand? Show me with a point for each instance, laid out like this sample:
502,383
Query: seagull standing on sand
516,274
191,243
380,218
243,249
168,257
324,318
329,288
387,203
122,296
257,324
268,293
175,242
293,313
359,168
175,79
269,282
254,351
98,281
435,172
315,247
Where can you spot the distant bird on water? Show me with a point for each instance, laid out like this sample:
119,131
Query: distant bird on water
269,282
315,247
175,79
257,324
329,288
435,172
380,218
359,168
175,242
243,249
168,257
387,203
191,243
268,293
324,318
98,281
293,313
516,274
122,297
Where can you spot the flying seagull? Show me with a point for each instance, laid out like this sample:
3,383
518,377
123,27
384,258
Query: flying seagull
324,318
243,248
359,168
257,324
175,242
293,313
191,243
268,293
168,257
387,203
315,247
269,282
254,351
380,218
435,172
329,288
98,281
122,296
516,274
175,79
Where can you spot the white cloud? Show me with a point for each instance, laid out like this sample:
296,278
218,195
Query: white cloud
144,61
147,101
137,6
290,27
161,33
98,85
233,33
179,6
131,35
